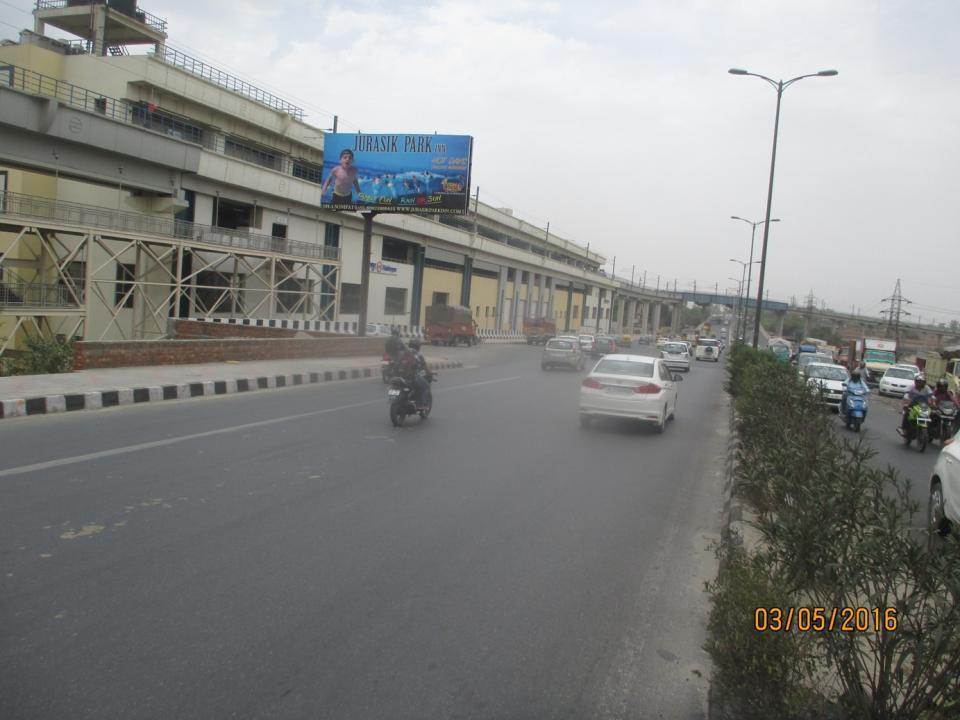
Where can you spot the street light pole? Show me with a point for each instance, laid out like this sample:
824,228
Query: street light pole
753,233
741,301
779,86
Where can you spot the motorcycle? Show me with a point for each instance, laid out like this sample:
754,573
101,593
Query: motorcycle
918,425
944,421
388,368
854,408
400,397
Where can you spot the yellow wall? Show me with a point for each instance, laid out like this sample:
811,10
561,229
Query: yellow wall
34,58
436,280
483,294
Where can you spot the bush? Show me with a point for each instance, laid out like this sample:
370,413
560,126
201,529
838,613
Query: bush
836,533
43,355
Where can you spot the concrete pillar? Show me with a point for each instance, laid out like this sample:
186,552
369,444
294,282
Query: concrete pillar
780,318
515,310
631,316
656,317
99,30
600,297
566,320
416,292
501,296
644,318
467,280
550,284
541,303
528,309
677,314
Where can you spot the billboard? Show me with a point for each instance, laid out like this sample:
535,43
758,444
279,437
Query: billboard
396,173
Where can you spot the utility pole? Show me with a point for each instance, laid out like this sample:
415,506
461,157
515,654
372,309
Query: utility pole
895,312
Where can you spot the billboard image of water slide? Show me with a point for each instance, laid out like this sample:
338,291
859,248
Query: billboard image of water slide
410,173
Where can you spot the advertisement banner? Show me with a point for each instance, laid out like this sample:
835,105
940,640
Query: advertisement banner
426,174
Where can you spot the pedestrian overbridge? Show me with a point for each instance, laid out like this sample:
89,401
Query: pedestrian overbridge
732,301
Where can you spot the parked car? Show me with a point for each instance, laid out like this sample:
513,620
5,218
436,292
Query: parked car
708,349
562,352
830,378
630,386
896,381
676,355
603,345
944,505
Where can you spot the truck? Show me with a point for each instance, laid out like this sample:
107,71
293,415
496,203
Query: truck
878,356
944,364
450,325
539,330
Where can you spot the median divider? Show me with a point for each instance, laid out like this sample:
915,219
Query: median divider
161,383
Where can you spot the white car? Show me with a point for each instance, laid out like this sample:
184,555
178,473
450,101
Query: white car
906,366
378,330
586,343
896,381
831,379
944,506
676,355
630,386
708,349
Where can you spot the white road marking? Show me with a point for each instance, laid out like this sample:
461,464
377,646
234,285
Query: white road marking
210,433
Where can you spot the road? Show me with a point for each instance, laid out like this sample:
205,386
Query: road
290,554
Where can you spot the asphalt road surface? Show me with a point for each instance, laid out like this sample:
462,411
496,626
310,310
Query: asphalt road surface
290,554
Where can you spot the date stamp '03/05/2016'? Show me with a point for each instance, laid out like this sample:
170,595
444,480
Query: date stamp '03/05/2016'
821,619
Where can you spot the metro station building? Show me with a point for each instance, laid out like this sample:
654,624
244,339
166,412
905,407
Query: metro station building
138,187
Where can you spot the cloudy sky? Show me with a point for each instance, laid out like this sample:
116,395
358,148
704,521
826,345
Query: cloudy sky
618,123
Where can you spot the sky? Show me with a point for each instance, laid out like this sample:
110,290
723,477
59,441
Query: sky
618,123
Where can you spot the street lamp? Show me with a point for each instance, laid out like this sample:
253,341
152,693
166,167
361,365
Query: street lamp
739,298
753,233
779,86
741,304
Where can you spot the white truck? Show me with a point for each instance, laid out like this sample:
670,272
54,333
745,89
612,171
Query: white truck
878,356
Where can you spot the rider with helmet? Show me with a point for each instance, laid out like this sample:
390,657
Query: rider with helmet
416,372
919,393
856,383
942,392
394,344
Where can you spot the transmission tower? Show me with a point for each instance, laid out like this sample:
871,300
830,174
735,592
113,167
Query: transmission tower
896,311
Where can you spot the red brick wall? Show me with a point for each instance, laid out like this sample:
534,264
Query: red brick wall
196,329
184,352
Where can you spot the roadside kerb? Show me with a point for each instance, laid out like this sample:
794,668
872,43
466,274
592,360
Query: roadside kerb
114,397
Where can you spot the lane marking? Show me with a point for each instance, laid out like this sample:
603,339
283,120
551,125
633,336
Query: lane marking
23,469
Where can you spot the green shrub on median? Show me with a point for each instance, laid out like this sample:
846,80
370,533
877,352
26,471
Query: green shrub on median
43,355
836,533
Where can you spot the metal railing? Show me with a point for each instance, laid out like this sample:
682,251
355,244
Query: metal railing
91,216
172,56
142,16
156,120
35,295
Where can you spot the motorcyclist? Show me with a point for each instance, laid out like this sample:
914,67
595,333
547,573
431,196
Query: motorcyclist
416,372
855,384
942,392
394,346
919,393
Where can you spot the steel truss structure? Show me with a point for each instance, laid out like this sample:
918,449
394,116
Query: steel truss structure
58,278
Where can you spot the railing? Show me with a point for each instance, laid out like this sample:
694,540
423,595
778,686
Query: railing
160,121
35,295
97,217
148,19
174,57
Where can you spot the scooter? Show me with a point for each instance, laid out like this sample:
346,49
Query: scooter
854,408
400,397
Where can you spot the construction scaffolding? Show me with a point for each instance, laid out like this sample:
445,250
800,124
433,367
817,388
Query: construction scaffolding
91,273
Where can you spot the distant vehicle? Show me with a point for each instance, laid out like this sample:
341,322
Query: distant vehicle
378,330
562,352
944,505
781,351
630,386
936,366
805,359
586,343
676,355
539,330
661,341
625,341
907,366
896,381
450,325
807,348
830,379
878,356
604,345
708,349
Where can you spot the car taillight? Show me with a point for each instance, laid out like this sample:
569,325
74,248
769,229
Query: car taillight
647,389
593,384
386,357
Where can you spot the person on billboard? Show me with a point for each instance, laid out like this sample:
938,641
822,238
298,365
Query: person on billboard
344,179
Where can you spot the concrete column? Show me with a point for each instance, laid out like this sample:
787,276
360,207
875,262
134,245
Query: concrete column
629,316
467,281
656,317
566,320
677,312
515,310
644,317
780,318
528,309
550,283
99,29
540,297
501,297
416,292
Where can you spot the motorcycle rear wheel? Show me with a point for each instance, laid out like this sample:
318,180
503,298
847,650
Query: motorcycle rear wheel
397,415
922,439
425,413
856,424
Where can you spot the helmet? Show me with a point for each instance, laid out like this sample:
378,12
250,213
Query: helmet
855,376
414,344
942,384
919,381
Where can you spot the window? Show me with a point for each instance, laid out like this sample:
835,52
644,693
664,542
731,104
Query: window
594,313
213,293
349,299
126,274
396,301
232,214
234,147
441,298
279,230
396,250
486,311
478,311
331,235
